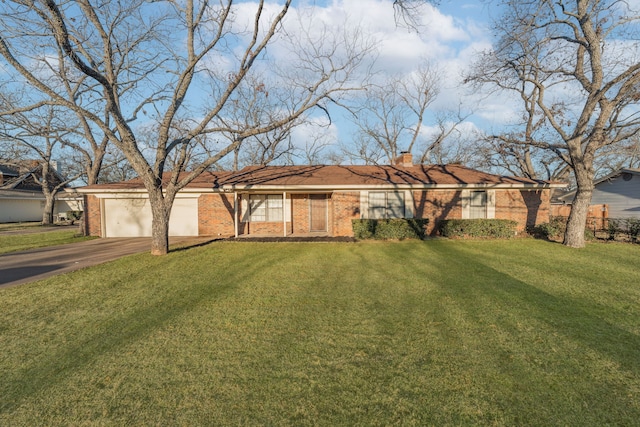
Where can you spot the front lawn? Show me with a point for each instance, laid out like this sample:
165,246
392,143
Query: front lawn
7,226
23,242
520,332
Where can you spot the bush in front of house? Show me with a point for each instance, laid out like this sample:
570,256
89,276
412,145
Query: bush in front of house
478,228
384,229
633,229
556,227
552,230
624,226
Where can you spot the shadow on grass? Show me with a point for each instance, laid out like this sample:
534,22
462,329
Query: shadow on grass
121,330
571,318
181,247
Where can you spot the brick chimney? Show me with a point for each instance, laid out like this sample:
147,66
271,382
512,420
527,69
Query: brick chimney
405,159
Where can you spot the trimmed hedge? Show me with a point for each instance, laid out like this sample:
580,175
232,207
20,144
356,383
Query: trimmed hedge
478,228
382,229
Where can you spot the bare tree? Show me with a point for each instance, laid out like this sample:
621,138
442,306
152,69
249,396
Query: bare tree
317,148
448,144
258,100
147,62
407,13
580,60
391,117
40,137
626,154
83,136
115,167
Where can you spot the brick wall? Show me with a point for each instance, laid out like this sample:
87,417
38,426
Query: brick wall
597,215
92,217
437,205
267,228
596,211
300,213
527,208
344,206
215,215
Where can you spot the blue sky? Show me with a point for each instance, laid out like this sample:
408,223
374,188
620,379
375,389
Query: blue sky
450,37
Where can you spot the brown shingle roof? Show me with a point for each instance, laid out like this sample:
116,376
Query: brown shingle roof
205,180
338,176
367,175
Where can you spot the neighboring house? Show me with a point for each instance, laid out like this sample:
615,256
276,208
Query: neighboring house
318,200
8,175
21,198
618,193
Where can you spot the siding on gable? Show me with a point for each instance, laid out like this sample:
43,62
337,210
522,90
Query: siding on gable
622,197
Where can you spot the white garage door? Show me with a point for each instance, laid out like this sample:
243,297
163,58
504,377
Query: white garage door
132,218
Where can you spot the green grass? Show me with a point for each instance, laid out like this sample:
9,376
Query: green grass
6,226
23,242
519,332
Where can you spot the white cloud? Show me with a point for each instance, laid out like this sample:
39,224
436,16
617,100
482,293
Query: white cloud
450,37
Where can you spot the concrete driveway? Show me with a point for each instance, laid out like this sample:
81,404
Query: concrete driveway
21,267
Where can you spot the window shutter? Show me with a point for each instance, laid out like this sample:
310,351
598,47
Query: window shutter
491,204
465,197
408,204
244,207
287,208
364,204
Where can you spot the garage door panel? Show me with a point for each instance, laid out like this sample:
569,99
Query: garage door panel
127,218
184,218
132,218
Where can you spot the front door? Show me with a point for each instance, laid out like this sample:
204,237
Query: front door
318,209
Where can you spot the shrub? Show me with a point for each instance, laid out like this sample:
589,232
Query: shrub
613,228
633,229
556,228
382,229
485,228
553,229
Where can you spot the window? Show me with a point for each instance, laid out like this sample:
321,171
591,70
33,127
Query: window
386,204
477,204
265,207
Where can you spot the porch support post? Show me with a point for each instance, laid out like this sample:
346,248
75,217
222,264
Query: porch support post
284,213
235,213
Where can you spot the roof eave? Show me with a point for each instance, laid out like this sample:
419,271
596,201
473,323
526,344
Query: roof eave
295,188
229,188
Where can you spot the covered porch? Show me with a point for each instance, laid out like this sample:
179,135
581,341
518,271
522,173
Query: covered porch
265,214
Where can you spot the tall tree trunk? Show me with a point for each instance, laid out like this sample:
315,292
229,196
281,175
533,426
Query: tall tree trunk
49,204
160,211
574,234
93,172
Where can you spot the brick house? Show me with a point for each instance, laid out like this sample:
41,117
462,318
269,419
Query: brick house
318,200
